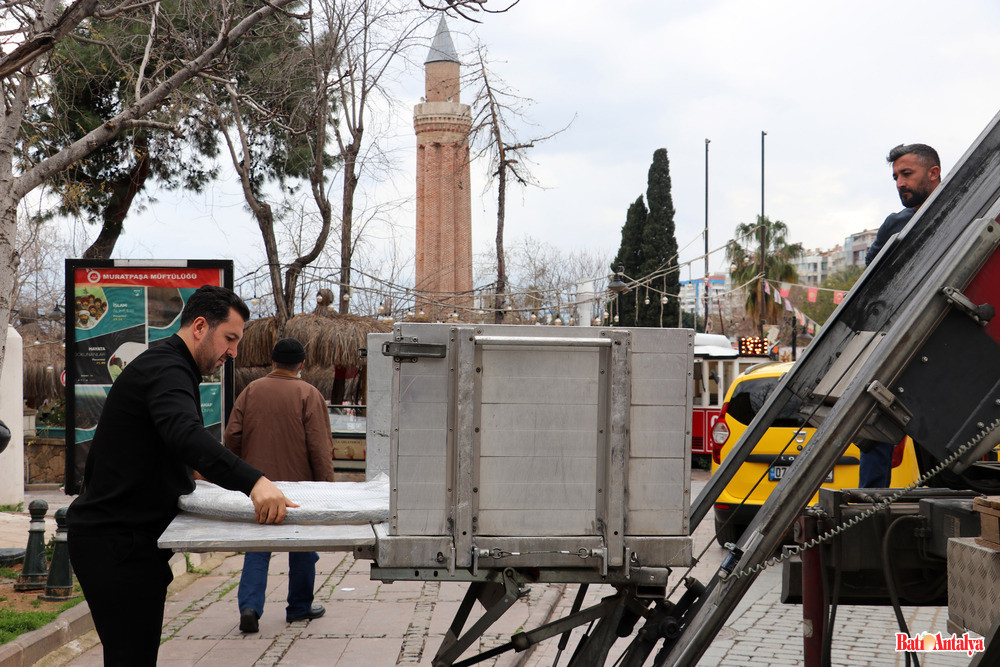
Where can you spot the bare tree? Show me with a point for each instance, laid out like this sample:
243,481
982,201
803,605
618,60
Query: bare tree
271,103
39,284
373,34
38,26
464,8
277,126
546,281
495,108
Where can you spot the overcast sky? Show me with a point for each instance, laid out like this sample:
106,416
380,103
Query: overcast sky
834,85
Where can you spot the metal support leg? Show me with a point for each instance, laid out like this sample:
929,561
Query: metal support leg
581,593
454,645
593,649
563,626
665,622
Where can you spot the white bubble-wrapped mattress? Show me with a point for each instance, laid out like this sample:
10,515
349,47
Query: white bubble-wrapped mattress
319,502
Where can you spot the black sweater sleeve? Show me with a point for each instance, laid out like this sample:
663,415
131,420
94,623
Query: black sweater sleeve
176,417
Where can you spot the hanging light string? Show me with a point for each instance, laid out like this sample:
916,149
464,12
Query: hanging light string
668,267
393,292
782,283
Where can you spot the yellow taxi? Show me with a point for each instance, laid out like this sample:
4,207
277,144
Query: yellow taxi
774,453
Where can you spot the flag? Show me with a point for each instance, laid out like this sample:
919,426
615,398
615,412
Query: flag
788,305
785,289
802,317
838,296
777,297
810,329
767,287
811,294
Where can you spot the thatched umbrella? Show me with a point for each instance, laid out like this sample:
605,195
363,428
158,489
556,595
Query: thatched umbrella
332,343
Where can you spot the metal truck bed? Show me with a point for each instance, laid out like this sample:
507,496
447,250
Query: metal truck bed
199,533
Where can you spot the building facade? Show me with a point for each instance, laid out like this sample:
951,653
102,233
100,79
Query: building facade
856,246
692,293
815,266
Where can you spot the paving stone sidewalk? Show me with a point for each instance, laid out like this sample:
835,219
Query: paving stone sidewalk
366,623
370,623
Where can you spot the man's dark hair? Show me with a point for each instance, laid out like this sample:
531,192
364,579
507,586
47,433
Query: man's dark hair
927,155
286,367
213,303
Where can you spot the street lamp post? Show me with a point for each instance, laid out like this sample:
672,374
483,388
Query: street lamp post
763,240
707,314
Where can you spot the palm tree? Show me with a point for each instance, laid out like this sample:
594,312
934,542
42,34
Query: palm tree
743,254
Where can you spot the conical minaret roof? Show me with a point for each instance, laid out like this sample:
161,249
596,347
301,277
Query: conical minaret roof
442,48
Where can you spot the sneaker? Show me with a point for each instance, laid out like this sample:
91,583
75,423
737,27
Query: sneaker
316,611
248,620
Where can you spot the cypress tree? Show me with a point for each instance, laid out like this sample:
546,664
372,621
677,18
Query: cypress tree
629,257
659,244
649,245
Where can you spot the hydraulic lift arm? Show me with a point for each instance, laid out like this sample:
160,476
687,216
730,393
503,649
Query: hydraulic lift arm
906,295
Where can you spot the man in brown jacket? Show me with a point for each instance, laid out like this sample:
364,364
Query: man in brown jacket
280,424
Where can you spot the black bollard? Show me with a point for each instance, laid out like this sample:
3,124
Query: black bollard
59,585
35,569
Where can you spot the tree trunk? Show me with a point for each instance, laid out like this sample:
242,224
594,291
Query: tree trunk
499,313
125,191
10,125
347,221
8,256
317,181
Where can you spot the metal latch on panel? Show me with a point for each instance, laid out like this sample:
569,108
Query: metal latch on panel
980,314
402,351
888,402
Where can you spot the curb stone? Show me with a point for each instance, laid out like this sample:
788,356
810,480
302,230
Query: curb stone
29,648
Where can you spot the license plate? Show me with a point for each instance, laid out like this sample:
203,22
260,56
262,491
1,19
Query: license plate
774,473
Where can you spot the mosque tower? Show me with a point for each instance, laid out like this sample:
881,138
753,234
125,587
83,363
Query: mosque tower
444,201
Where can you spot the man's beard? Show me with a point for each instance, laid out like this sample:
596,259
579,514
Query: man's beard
206,364
916,197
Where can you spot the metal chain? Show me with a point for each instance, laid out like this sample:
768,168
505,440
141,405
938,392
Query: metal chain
497,552
878,506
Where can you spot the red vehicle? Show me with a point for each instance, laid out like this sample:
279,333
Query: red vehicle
716,365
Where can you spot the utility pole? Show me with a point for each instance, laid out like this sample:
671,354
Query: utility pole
708,313
763,240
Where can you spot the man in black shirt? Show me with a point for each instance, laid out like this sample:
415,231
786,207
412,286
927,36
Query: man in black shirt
916,169
149,438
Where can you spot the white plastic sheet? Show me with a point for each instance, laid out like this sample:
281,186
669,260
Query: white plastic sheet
319,502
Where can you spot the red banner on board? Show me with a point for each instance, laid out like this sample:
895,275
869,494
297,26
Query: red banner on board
153,277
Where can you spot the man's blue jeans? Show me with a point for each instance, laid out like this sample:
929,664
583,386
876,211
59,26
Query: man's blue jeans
875,469
301,579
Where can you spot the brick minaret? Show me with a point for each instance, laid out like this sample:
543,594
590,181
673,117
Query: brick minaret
444,204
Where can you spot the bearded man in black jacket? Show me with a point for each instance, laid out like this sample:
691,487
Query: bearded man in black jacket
916,170
149,438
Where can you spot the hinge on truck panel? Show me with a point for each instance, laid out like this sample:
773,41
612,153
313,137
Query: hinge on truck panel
887,401
412,351
980,314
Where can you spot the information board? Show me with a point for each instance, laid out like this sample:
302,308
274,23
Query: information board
117,309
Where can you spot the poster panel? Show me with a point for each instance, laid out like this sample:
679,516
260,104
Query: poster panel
116,310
